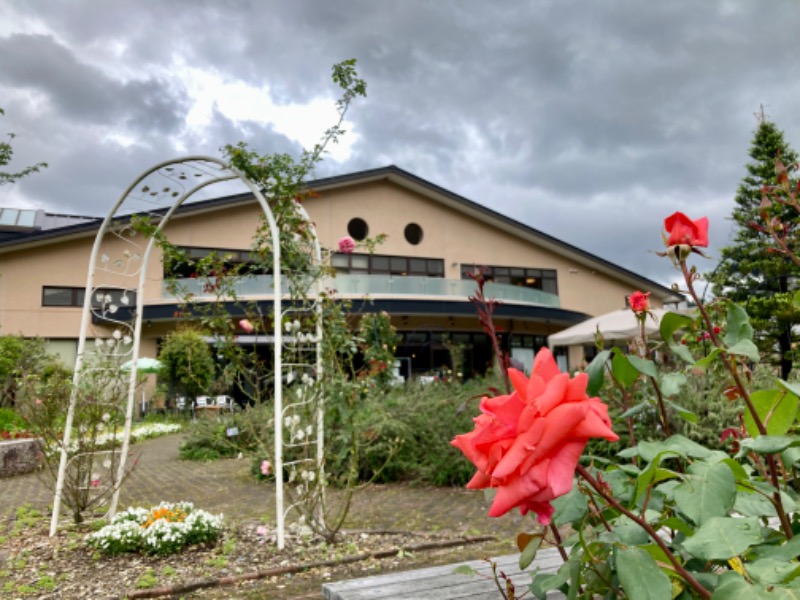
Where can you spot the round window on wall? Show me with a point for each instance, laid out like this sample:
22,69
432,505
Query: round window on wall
358,229
413,233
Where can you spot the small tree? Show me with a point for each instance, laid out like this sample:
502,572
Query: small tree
761,281
186,363
93,453
19,356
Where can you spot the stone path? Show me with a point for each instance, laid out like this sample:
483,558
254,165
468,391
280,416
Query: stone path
226,486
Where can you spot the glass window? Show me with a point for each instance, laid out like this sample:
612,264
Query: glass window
418,266
8,216
538,279
414,338
380,263
436,267
359,261
27,218
398,264
340,261
53,296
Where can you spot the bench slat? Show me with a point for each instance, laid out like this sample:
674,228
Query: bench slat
443,583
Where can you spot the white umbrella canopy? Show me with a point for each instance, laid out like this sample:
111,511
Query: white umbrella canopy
143,365
618,325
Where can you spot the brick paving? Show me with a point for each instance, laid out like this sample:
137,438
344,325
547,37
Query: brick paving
226,486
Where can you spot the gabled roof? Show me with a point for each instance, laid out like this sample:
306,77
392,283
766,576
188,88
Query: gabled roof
461,204
405,180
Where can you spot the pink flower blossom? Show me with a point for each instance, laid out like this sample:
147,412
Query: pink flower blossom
347,245
266,467
261,532
246,325
94,483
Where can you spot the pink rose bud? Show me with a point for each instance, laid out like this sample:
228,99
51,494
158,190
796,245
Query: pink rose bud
266,467
347,245
246,325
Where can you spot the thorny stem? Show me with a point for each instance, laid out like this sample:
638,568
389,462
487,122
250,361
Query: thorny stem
597,511
662,410
625,405
687,577
731,364
497,581
559,542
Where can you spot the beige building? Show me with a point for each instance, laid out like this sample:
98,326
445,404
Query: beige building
419,275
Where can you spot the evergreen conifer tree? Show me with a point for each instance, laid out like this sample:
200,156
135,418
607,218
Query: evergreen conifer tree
749,275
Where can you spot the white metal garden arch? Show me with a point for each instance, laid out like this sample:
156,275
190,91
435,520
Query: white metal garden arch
119,258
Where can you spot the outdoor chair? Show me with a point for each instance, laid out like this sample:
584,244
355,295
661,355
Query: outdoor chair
225,402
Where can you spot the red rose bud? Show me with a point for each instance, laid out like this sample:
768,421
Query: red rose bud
639,302
683,231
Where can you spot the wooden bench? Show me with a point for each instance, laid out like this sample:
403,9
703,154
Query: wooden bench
441,583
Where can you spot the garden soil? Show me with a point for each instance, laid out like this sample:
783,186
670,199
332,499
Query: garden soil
407,526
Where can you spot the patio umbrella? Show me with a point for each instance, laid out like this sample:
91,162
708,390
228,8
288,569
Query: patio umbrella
143,365
618,325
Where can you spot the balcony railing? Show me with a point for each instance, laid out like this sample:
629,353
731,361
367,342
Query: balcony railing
385,285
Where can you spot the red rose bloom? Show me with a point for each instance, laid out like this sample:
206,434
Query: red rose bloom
683,231
527,443
639,302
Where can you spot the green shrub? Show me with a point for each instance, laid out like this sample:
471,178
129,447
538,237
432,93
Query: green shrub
10,420
402,434
407,433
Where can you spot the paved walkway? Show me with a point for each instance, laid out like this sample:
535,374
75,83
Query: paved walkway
226,486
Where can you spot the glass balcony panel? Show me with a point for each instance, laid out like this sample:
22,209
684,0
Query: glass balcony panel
385,285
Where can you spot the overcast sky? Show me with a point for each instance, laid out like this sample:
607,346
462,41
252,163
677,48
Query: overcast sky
590,120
